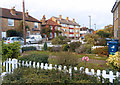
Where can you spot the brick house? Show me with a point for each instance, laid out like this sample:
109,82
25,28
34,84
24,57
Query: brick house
116,19
69,28
11,19
53,26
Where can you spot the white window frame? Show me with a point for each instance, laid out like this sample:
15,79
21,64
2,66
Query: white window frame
11,20
36,25
77,31
71,30
71,35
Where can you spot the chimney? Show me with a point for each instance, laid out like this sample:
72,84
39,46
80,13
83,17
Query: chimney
12,11
67,18
73,19
43,20
27,14
60,16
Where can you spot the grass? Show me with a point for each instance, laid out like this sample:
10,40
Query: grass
95,66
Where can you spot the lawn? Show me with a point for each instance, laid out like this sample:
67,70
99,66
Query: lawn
96,61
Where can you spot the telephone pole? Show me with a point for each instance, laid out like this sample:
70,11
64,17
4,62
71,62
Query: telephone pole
95,27
24,31
89,22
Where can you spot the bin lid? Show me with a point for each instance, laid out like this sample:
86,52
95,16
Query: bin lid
112,42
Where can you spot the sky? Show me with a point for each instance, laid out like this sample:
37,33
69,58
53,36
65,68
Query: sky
99,10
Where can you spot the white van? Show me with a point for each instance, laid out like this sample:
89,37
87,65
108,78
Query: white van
33,39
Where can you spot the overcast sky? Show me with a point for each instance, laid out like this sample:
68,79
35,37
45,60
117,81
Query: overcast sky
99,10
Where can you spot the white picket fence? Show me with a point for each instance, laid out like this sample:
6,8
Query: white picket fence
11,64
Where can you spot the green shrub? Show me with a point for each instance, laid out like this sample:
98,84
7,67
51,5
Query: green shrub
41,58
62,37
101,50
74,45
86,48
11,33
101,42
49,48
11,50
65,47
66,59
45,46
28,48
55,49
31,75
56,41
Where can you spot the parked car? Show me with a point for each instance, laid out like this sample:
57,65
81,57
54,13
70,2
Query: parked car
14,39
33,39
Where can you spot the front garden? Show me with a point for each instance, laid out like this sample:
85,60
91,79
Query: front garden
67,55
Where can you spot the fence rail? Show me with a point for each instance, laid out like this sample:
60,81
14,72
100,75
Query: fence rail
11,64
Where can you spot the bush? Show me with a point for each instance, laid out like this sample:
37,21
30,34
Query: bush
66,59
11,33
114,61
30,75
56,41
65,47
45,46
101,42
11,50
41,58
74,45
55,49
49,48
86,48
28,48
101,50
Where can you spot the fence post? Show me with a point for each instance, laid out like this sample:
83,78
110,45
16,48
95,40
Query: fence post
22,63
87,71
34,65
26,64
30,63
46,66
19,63
14,64
38,65
70,72
50,67
111,77
81,69
92,71
42,65
9,65
55,67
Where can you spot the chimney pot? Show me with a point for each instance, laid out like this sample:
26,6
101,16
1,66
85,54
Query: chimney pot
27,14
60,16
12,11
73,19
67,18
43,20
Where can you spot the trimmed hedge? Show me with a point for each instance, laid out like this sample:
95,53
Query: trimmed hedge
41,58
101,50
28,48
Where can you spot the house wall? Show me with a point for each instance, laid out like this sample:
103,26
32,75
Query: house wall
17,23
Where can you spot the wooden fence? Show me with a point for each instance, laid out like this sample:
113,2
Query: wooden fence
10,64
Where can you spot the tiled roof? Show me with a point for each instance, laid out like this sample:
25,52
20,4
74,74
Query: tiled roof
115,5
52,23
64,21
6,14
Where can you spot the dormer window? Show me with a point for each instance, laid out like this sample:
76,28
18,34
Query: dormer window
10,22
35,25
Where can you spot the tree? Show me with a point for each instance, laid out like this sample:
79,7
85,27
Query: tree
45,46
103,34
109,29
11,33
58,32
46,31
20,28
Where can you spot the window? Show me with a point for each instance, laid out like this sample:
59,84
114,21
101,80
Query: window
33,33
64,25
55,35
70,35
38,33
10,22
117,12
71,26
51,27
71,30
35,25
76,26
66,35
65,30
50,35
77,31
58,28
77,35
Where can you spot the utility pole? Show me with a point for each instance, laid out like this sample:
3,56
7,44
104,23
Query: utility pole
24,32
95,27
89,22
